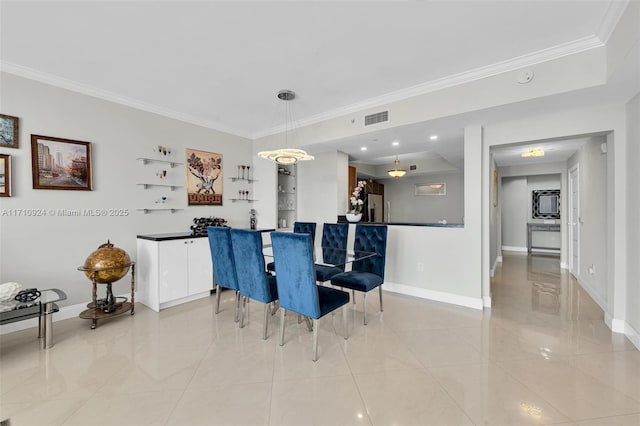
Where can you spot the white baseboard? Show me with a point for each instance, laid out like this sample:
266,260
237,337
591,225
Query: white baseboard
65,312
486,301
620,326
495,265
514,248
438,296
595,296
550,251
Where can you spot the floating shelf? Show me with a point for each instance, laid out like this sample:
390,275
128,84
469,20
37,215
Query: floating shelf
146,185
145,211
285,192
286,210
153,160
236,179
242,199
282,174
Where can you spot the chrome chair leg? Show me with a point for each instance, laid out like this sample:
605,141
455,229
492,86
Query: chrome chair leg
364,307
315,339
282,327
380,292
307,320
242,308
266,321
353,296
345,324
218,289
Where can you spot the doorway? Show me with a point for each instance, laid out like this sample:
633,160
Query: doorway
574,220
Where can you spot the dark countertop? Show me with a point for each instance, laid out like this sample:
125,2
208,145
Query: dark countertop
343,219
180,235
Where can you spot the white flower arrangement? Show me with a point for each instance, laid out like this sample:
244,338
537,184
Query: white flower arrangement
356,203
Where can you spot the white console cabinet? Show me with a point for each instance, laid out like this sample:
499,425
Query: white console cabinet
172,269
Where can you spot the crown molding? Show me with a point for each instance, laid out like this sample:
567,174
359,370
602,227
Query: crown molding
540,56
544,55
88,90
610,20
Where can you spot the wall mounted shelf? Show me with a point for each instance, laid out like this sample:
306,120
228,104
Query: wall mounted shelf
173,187
237,179
153,160
145,211
242,199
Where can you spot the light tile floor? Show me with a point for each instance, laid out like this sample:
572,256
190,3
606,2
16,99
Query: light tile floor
541,355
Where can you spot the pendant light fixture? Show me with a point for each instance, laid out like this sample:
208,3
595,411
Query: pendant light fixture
286,155
397,172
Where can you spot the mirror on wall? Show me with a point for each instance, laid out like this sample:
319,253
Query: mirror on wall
545,204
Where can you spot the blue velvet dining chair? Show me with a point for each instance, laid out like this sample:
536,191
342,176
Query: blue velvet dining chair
299,228
297,289
224,269
253,281
366,274
334,242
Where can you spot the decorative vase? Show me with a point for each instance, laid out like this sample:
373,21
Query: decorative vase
354,217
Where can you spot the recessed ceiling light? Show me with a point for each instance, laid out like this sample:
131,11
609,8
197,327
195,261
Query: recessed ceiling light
433,137
395,143
364,148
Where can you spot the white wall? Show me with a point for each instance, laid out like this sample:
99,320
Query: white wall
593,217
406,207
320,182
514,200
44,252
633,224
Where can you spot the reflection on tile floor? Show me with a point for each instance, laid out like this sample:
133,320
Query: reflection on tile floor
541,355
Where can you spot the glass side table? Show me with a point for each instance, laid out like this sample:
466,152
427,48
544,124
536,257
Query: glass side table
42,308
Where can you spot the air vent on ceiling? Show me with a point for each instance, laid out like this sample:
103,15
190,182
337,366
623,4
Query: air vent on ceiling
412,167
378,117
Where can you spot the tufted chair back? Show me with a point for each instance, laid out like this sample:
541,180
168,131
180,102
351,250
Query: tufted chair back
224,269
371,238
334,235
247,251
293,255
306,228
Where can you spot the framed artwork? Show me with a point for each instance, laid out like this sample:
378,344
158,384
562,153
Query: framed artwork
8,131
204,178
5,175
60,163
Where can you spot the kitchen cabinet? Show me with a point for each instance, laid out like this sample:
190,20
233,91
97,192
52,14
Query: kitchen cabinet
173,269
287,195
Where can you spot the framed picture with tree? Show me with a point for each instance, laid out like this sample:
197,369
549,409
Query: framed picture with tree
9,131
204,178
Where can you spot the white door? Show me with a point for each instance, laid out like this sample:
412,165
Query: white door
173,275
200,267
574,222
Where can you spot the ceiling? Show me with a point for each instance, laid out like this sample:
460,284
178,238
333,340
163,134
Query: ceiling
220,64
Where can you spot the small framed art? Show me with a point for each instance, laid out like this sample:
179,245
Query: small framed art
9,131
60,163
5,175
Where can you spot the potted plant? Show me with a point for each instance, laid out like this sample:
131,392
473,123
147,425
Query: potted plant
356,203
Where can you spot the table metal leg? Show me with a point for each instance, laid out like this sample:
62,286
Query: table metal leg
48,326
